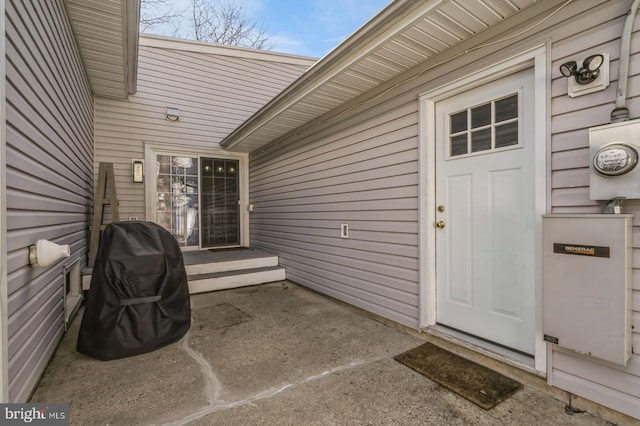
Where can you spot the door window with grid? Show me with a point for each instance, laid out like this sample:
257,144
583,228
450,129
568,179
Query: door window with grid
483,128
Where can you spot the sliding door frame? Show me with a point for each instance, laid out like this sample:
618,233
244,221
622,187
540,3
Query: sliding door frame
152,150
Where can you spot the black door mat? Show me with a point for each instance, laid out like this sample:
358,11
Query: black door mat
478,384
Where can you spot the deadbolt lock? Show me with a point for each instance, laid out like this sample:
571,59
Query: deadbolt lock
440,209
440,224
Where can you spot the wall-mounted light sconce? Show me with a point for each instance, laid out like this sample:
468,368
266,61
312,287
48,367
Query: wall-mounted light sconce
591,76
137,170
587,73
172,114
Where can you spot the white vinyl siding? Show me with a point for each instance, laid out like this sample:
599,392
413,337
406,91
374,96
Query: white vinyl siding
49,177
361,169
215,94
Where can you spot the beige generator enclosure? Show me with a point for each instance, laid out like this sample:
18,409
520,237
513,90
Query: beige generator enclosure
587,284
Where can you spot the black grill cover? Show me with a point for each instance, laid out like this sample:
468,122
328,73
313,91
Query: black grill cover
139,297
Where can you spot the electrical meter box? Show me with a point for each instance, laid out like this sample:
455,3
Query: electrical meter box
614,168
587,284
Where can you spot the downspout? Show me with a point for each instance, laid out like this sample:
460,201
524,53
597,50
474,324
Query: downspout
621,112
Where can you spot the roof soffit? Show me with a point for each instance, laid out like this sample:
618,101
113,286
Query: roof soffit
402,36
106,33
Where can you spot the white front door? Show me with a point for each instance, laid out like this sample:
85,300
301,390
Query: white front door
485,241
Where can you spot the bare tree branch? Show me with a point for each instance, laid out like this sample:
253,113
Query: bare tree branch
214,21
158,12
222,22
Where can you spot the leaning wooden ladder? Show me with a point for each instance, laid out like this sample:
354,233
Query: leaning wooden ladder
105,196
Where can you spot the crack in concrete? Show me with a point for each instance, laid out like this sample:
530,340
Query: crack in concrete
212,384
213,387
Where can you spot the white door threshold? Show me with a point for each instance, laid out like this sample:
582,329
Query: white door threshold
500,353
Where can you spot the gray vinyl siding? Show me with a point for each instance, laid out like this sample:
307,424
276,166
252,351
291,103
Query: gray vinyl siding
49,177
362,169
365,176
609,384
215,94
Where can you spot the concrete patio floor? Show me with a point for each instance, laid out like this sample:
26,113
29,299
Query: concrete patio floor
275,354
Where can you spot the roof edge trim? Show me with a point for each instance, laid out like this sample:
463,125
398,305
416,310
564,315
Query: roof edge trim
164,42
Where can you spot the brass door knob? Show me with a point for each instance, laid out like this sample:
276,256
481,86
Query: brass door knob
440,224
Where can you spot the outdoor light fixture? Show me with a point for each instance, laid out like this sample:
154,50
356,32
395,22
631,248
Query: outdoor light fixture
137,169
45,252
173,114
587,73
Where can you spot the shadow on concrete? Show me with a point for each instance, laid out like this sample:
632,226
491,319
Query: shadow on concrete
275,354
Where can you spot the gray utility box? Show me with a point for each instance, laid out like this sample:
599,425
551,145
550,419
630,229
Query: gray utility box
587,284
614,169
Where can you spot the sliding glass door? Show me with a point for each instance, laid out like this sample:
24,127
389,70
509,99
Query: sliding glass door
197,197
219,202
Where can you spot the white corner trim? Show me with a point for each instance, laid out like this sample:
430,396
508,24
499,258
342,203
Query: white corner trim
542,84
536,57
426,213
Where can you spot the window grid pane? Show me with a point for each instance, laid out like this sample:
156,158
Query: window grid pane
485,127
481,116
507,108
481,140
459,145
507,134
459,122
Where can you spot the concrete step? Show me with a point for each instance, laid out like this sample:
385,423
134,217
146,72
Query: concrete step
195,264
202,283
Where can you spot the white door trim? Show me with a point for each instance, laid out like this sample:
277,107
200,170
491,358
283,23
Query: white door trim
150,151
536,58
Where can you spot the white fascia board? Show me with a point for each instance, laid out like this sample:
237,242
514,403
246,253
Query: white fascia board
217,49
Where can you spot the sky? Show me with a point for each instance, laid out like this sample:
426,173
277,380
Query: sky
300,27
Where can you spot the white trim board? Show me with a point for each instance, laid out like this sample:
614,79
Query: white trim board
536,58
163,42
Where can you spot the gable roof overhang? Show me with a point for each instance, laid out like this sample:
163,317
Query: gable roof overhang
106,32
404,35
